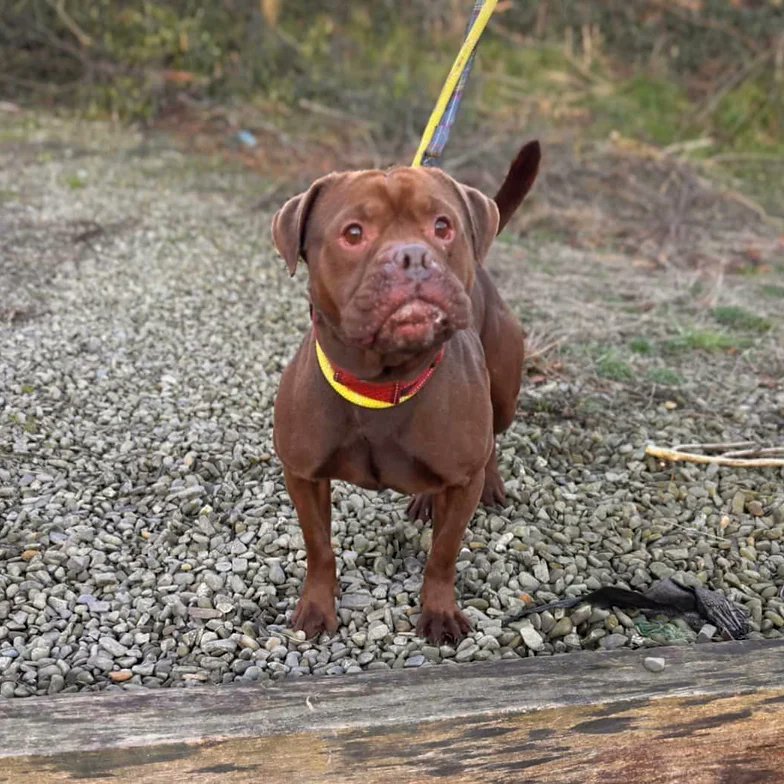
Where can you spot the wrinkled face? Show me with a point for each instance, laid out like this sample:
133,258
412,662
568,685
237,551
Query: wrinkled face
391,254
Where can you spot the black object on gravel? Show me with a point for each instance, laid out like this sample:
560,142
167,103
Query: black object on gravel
666,596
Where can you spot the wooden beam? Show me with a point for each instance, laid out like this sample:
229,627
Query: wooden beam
714,715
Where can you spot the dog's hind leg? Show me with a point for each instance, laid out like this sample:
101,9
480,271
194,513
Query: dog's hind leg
420,507
503,342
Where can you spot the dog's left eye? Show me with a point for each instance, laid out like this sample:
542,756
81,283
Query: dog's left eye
353,234
442,227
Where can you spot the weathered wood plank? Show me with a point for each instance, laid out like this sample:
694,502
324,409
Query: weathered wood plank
705,740
715,715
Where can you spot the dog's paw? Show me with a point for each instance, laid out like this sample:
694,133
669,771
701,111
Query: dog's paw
314,617
420,508
494,492
440,626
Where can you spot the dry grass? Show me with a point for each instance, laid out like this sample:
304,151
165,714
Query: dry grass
654,208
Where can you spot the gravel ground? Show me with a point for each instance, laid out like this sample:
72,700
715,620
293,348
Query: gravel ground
146,538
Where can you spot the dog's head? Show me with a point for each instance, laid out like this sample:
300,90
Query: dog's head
391,254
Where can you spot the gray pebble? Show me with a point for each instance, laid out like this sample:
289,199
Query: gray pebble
377,631
614,641
561,628
707,633
276,574
359,600
581,614
111,646
654,663
219,646
661,571
532,638
467,653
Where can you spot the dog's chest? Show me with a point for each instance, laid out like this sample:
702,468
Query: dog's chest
378,464
410,454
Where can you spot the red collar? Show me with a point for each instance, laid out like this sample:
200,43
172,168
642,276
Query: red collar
369,394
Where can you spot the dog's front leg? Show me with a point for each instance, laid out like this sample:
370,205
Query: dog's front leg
315,611
452,510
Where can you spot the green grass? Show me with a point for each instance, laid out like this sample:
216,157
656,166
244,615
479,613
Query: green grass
611,366
772,290
542,67
735,317
642,346
705,340
643,107
664,377
75,182
749,117
591,407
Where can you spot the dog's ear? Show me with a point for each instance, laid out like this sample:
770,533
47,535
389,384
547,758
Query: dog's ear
483,219
518,181
290,222
480,210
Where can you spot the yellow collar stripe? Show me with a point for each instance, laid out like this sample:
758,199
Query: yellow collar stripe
328,369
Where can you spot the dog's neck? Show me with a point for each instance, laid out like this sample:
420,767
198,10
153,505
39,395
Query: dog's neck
367,364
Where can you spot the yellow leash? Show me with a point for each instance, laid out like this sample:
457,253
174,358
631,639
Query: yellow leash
459,65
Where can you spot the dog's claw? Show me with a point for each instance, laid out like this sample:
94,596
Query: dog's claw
313,617
420,508
439,626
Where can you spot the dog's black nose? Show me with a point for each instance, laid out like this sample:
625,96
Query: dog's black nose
415,260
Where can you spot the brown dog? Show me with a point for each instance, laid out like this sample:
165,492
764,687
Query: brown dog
412,365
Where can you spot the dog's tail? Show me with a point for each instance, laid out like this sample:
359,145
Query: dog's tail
518,181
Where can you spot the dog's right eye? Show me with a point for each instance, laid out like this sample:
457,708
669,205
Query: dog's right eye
442,228
352,234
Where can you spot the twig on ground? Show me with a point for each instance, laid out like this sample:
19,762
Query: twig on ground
91,230
690,145
746,156
690,529
68,21
331,111
721,448
536,348
750,204
736,77
676,455
763,452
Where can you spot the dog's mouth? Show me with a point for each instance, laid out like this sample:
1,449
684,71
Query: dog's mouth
393,317
415,324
